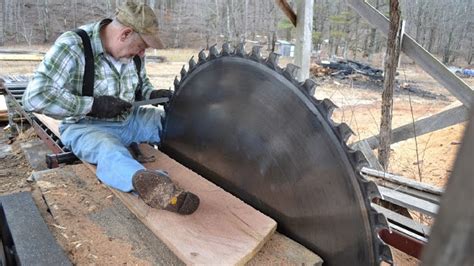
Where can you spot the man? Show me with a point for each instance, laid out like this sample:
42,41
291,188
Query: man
99,127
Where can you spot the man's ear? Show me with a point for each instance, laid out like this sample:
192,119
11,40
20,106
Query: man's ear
126,32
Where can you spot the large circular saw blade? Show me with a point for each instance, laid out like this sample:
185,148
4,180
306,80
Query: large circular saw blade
247,125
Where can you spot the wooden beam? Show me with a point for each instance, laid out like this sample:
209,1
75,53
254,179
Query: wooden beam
400,180
452,235
422,126
21,57
403,220
457,87
304,40
286,8
409,202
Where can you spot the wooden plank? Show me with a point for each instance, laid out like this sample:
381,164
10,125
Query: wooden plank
405,189
403,221
286,8
452,235
51,123
425,125
3,104
304,37
408,201
224,230
20,57
400,180
415,51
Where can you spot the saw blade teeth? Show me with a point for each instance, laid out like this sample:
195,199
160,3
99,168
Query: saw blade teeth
358,159
380,223
344,131
272,61
226,49
213,53
183,72
328,107
240,50
309,86
192,64
290,72
202,57
255,54
385,253
176,83
370,188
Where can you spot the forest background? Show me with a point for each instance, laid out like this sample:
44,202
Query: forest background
443,27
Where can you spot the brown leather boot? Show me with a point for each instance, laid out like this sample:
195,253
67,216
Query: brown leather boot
157,190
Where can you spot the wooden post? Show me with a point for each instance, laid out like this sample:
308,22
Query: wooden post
452,236
424,125
391,62
304,29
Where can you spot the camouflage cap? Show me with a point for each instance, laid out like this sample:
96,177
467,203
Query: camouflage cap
141,19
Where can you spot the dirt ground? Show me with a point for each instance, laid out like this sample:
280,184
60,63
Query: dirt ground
428,159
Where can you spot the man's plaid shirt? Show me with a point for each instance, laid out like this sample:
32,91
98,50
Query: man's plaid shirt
56,87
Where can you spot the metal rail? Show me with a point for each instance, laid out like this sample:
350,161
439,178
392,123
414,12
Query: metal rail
60,153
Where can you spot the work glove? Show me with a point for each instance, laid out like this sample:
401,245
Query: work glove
108,106
161,94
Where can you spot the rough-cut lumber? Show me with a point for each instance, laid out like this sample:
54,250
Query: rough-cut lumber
3,104
415,51
425,125
403,221
51,123
20,57
409,202
400,180
224,230
3,108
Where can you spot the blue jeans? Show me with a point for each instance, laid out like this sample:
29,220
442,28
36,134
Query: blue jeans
105,143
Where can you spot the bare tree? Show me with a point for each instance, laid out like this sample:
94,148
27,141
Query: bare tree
391,62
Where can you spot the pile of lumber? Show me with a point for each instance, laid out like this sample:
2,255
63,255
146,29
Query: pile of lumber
3,109
3,103
20,55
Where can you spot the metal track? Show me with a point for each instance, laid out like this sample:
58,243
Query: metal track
246,124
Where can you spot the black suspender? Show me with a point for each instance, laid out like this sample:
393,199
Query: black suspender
88,80
138,64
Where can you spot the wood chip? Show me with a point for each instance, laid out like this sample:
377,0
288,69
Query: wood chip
60,227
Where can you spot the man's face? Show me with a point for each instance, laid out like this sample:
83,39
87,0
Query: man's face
132,45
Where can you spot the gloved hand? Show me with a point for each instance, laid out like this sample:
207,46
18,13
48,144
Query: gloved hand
161,94
108,106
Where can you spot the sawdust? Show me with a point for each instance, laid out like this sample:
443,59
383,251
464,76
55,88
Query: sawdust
71,202
13,167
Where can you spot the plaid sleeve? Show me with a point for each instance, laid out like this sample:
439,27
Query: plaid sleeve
53,90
